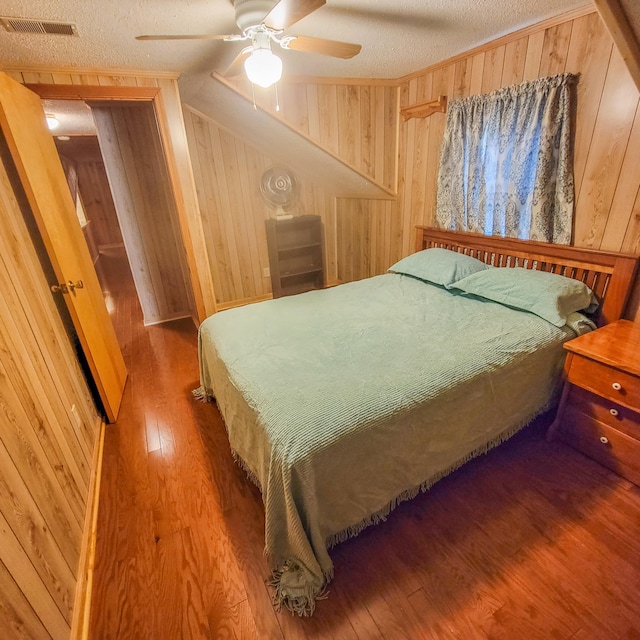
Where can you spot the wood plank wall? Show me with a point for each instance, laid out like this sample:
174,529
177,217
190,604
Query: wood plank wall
369,237
130,144
606,187
606,143
356,122
98,204
48,431
607,213
227,172
84,152
88,181
606,119
40,540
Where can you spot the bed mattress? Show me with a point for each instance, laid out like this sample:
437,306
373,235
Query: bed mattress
342,402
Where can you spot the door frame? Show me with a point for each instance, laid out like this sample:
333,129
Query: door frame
203,297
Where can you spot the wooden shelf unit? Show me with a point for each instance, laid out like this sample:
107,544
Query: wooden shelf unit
296,255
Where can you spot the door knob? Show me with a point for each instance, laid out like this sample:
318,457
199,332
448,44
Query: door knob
75,285
65,287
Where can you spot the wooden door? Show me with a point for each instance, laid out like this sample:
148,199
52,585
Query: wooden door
34,153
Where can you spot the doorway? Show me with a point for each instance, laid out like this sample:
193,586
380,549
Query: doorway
114,161
40,170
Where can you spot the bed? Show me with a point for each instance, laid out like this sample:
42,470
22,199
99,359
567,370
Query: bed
341,403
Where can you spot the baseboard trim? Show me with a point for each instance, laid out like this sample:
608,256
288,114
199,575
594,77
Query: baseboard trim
178,316
84,584
222,306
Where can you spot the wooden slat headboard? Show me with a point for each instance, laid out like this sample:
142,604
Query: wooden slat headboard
609,275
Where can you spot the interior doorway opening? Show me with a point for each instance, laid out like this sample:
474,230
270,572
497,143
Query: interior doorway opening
40,169
114,162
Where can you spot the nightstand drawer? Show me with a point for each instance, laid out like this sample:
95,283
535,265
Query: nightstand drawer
606,381
606,445
604,410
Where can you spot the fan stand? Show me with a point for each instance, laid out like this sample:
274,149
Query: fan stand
281,214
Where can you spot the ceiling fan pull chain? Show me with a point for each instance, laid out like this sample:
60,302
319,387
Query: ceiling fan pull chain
277,99
253,95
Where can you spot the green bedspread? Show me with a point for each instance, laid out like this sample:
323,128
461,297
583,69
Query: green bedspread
342,402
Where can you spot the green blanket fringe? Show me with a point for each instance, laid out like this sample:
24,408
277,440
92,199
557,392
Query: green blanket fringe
245,467
201,395
409,494
303,602
204,395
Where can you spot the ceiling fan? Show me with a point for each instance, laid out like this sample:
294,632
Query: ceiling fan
262,24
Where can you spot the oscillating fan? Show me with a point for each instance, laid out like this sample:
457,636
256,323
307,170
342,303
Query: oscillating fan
279,188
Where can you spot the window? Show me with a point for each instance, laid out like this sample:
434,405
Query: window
506,166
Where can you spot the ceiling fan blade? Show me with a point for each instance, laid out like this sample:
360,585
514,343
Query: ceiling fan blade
237,66
288,12
188,37
325,47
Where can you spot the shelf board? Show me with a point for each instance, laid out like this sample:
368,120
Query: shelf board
425,109
299,246
301,273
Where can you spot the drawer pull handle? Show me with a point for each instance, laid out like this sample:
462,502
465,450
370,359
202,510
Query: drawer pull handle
613,412
617,386
604,439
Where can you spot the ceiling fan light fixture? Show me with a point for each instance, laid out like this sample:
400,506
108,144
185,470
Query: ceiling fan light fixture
263,67
52,121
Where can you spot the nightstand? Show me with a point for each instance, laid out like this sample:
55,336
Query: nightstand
599,411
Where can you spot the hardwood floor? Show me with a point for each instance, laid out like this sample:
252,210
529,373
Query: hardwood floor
530,541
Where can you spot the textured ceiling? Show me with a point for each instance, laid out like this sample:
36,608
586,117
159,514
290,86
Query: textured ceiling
397,37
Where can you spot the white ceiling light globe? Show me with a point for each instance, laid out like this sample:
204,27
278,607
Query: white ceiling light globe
263,67
52,121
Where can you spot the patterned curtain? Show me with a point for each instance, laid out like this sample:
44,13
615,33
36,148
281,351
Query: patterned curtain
506,166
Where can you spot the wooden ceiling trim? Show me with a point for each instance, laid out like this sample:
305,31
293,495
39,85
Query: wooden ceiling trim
91,92
622,34
369,82
123,73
